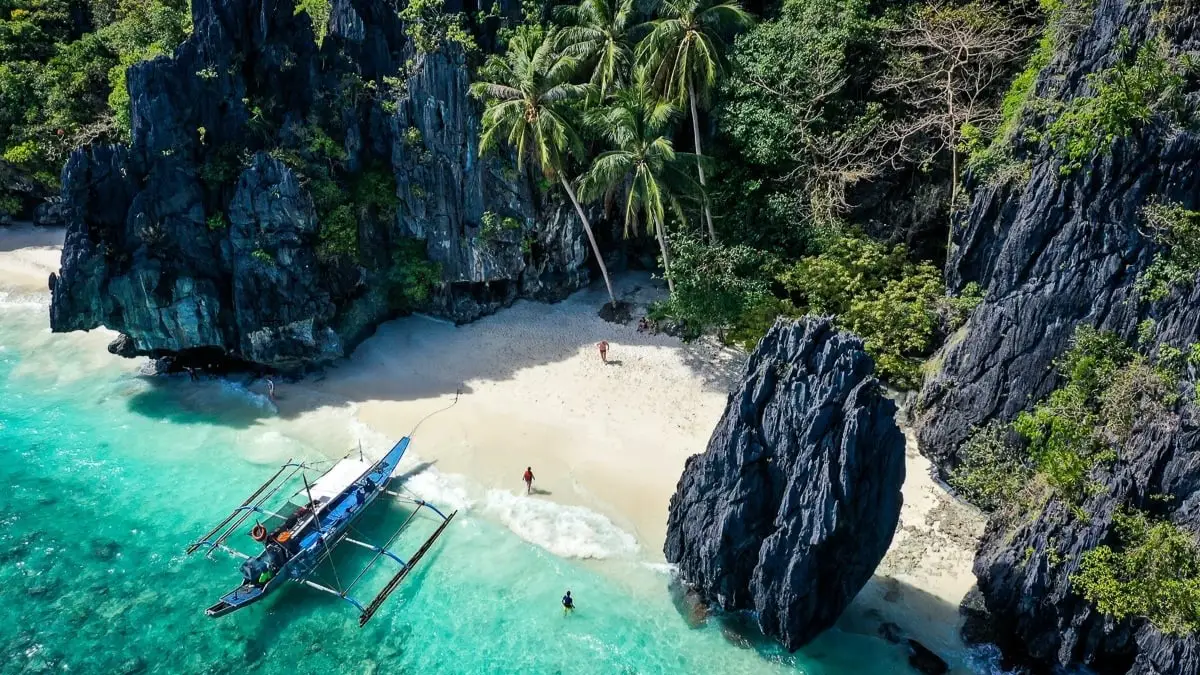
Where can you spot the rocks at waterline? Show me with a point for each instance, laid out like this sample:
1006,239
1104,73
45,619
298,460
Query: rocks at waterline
795,501
179,242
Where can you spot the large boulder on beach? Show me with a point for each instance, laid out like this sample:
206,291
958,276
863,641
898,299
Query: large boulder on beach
795,501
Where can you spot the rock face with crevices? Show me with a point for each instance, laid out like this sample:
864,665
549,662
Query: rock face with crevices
795,501
1066,250
204,239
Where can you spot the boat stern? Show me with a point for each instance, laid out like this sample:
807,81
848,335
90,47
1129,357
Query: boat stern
246,594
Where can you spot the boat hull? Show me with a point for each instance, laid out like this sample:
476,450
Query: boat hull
318,537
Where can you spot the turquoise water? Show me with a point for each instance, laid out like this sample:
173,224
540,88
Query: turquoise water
106,475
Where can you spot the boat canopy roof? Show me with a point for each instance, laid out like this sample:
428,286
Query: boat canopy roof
336,481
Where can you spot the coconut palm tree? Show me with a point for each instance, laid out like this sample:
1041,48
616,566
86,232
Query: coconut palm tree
683,51
525,109
597,33
644,163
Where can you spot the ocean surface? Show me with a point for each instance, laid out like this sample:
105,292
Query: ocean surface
106,475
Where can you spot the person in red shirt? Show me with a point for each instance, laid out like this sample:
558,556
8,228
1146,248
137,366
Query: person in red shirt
603,345
528,478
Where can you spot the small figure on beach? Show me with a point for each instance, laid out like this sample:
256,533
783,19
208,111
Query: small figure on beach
603,345
568,603
643,325
270,389
528,478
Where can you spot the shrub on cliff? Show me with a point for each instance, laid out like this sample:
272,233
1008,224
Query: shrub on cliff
993,471
875,291
1153,572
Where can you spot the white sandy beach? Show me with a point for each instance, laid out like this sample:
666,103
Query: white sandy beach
607,443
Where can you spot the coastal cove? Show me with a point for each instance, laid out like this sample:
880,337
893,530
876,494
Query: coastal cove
112,473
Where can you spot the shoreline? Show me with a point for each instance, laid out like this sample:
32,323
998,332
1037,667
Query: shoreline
607,443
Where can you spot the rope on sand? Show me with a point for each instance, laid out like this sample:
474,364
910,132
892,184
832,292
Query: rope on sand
457,393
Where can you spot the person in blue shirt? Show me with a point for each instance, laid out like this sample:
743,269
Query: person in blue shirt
568,602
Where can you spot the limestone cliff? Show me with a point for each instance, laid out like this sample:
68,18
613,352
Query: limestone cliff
1062,250
279,198
795,501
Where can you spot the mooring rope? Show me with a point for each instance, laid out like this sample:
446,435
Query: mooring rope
457,393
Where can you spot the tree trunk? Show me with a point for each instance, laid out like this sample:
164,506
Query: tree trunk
953,198
712,233
587,227
662,244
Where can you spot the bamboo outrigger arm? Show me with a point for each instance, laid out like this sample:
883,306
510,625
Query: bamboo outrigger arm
395,581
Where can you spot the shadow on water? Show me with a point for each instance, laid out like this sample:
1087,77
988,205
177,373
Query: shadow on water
914,614
178,400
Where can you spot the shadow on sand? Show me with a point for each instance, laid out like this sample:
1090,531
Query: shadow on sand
420,358
913,613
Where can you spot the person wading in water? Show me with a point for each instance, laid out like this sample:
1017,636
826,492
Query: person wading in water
528,478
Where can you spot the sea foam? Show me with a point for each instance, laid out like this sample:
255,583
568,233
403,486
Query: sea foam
565,531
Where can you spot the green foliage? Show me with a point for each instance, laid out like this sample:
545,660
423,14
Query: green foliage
1177,230
262,256
992,160
897,325
810,43
715,286
10,205
597,32
375,188
993,473
320,144
1139,392
411,277
216,221
221,167
876,292
60,89
339,233
683,49
318,12
1123,98
956,309
1109,388
430,27
1153,572
493,227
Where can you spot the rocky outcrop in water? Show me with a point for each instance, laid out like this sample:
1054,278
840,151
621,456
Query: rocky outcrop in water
795,501
280,199
1067,249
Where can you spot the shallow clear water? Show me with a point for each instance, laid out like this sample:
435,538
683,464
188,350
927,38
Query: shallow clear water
105,476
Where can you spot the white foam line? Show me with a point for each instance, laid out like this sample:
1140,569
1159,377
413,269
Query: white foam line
565,531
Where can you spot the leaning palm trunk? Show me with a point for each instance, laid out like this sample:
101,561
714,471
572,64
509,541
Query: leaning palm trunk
662,244
587,227
712,233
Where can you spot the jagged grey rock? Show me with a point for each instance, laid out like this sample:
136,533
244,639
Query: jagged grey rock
144,256
1058,252
795,501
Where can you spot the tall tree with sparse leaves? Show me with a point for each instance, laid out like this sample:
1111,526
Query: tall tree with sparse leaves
683,52
525,108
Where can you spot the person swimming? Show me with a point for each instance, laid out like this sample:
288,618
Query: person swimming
568,602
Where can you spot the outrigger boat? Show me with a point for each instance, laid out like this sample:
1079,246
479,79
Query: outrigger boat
298,537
